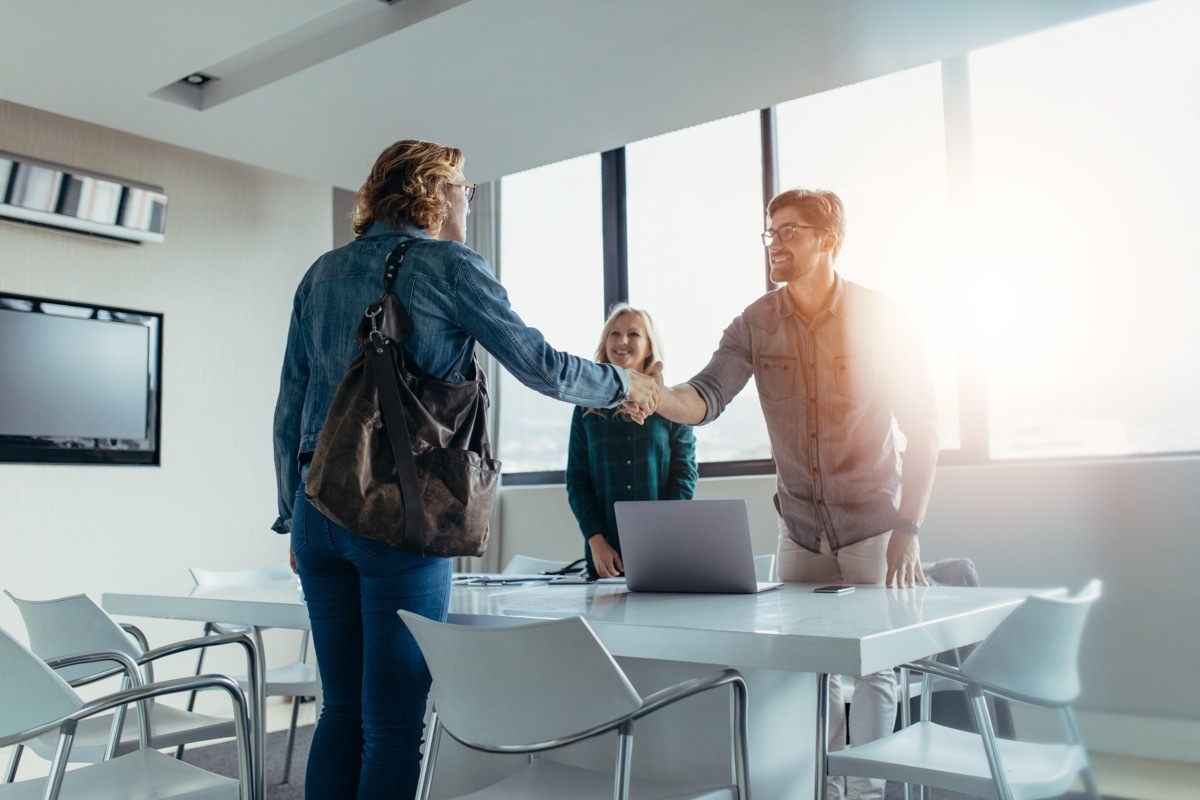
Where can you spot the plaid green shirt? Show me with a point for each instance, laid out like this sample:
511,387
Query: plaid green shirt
612,458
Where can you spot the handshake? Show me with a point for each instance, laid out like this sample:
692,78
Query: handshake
645,392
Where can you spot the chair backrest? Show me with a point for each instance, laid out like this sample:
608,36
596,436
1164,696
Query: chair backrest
31,694
1035,650
521,684
951,572
241,577
69,625
528,565
764,567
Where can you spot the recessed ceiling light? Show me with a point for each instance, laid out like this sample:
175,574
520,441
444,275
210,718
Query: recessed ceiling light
196,79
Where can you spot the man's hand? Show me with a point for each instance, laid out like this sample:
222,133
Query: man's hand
605,557
656,372
904,561
644,393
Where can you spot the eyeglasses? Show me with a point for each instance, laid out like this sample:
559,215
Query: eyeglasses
785,232
468,188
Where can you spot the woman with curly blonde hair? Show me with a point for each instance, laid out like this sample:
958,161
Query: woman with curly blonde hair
611,459
367,741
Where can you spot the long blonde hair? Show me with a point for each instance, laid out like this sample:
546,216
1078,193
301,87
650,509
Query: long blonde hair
654,351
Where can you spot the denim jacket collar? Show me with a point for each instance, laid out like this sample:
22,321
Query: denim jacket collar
381,227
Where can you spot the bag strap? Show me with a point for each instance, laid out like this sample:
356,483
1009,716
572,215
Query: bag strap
377,350
391,268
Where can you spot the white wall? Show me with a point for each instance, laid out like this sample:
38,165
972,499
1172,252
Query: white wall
237,241
1135,524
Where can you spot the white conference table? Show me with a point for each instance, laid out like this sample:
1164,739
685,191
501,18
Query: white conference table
785,641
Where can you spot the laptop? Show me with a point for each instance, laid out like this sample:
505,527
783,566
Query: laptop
687,546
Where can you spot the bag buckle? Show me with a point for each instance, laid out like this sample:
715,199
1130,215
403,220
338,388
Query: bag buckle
375,336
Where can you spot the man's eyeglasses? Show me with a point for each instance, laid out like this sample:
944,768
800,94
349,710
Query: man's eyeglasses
468,188
785,233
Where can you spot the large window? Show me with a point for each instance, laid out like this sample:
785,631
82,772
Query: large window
880,147
551,254
1085,259
1031,205
695,260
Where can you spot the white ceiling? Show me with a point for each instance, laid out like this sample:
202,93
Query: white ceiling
316,88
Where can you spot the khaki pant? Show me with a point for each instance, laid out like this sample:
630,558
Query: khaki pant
873,712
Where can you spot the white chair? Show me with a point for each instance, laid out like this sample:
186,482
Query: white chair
764,567
70,626
949,705
528,565
535,687
947,698
296,680
1031,657
37,702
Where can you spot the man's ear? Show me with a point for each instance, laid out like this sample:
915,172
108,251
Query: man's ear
829,241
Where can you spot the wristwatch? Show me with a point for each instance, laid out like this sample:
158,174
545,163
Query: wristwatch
907,525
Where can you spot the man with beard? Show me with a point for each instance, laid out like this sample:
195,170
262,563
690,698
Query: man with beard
849,407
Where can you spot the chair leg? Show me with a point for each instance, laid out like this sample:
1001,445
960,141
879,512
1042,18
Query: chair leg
740,754
191,703
624,757
1072,728
14,758
429,761
983,721
821,790
291,742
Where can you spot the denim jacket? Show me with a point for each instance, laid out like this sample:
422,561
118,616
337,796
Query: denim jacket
838,392
454,300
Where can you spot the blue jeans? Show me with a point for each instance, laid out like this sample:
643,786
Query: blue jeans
367,742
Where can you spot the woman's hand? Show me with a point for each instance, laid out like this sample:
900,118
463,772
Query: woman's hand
607,560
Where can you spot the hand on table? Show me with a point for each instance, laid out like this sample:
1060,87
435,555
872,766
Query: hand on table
904,561
605,557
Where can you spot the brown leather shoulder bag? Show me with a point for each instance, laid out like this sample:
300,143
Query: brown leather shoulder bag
405,458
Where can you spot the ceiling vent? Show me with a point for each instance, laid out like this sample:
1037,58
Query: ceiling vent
70,200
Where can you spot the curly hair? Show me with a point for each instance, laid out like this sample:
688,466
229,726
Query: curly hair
406,185
819,207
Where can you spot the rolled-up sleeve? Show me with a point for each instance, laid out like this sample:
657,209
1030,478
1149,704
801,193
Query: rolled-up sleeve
727,371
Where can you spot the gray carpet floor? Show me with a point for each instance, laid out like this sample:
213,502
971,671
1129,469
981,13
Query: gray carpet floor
222,759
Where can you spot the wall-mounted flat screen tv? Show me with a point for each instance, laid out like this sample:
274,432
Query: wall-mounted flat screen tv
79,383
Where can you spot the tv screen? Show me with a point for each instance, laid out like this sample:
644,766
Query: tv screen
79,383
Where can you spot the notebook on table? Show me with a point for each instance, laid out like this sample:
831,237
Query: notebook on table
687,546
